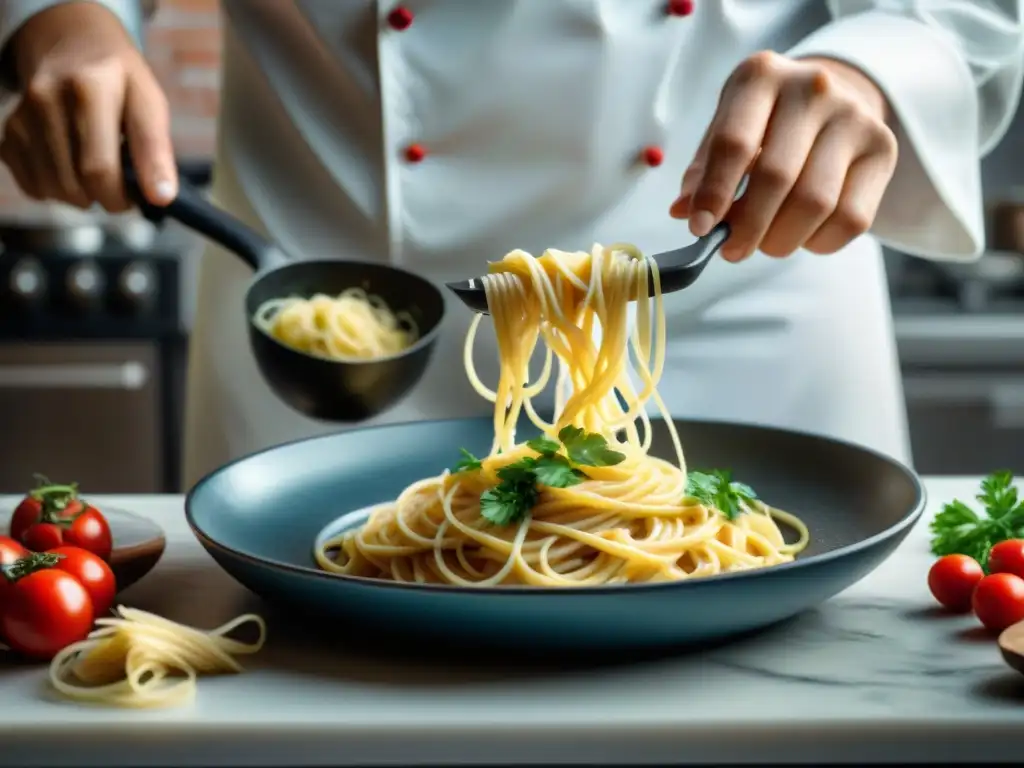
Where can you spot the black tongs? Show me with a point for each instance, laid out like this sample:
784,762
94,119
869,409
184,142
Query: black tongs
678,269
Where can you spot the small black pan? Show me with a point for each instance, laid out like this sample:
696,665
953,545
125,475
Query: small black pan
329,390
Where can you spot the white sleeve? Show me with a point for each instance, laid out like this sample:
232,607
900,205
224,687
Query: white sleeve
951,71
14,13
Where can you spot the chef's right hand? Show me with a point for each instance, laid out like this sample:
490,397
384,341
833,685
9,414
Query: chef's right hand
84,84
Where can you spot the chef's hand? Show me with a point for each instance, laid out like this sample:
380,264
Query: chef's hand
812,133
84,84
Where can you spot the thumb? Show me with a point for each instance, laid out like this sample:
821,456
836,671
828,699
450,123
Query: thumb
147,128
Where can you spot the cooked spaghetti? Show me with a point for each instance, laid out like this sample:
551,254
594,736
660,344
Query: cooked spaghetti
354,325
137,659
585,504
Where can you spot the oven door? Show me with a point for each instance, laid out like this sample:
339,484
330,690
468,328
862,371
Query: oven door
81,412
966,422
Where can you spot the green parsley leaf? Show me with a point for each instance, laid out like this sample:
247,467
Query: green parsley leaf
556,472
543,445
588,449
998,494
468,462
959,530
513,498
717,489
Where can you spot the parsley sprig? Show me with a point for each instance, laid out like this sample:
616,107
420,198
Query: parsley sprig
959,530
717,489
555,466
468,462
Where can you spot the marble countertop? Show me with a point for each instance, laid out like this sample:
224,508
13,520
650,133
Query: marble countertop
875,674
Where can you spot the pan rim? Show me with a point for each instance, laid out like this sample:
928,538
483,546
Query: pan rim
907,521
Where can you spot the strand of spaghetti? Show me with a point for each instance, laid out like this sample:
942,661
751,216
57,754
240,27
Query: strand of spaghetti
352,325
627,523
138,659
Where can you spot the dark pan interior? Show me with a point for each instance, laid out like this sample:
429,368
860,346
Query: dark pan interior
272,505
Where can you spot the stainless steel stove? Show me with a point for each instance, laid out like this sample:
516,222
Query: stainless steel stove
91,366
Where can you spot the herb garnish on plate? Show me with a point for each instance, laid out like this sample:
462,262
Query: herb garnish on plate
555,466
717,489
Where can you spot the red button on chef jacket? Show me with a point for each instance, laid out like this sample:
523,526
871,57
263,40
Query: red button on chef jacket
680,7
415,152
400,18
653,156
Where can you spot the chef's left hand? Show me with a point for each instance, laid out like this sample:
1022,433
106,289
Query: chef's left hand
813,135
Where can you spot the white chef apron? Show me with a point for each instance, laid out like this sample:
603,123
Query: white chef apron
804,343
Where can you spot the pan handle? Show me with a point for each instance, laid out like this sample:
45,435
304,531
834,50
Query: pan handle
193,210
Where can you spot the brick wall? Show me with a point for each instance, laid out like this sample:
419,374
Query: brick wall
183,46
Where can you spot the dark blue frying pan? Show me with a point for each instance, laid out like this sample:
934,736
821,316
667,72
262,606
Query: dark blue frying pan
259,517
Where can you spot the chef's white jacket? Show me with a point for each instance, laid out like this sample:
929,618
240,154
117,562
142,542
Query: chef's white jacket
532,118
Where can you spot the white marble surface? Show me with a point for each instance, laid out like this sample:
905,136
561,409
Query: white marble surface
874,674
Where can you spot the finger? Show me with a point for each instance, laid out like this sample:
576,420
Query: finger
13,156
148,129
735,137
789,139
98,109
680,208
858,204
16,156
51,123
816,193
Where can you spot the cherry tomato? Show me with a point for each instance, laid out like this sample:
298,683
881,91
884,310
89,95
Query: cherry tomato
43,536
11,551
30,510
25,516
89,529
1007,557
53,515
92,572
952,580
45,611
999,601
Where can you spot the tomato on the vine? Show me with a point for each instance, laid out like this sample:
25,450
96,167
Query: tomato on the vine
43,536
92,572
28,512
11,551
45,609
53,515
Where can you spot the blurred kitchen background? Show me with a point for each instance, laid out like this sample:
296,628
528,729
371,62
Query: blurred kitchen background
95,314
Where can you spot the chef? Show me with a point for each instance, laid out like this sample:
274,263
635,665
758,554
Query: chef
439,134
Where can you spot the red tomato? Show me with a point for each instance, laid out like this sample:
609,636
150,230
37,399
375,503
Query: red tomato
30,510
43,536
952,580
53,515
1007,557
11,551
25,516
44,612
92,573
89,529
999,601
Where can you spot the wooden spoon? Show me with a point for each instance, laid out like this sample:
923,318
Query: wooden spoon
1011,645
